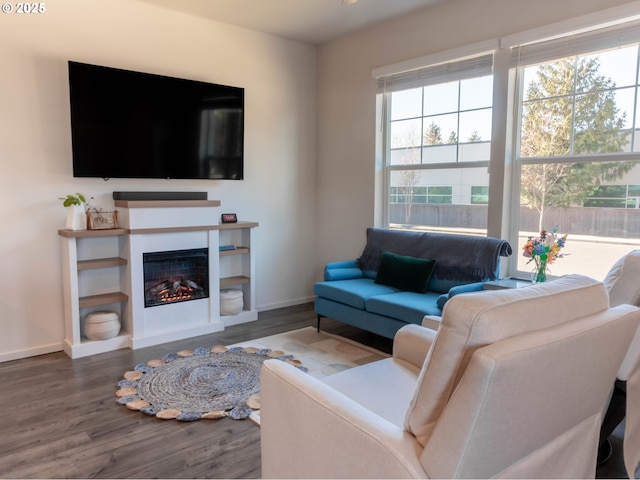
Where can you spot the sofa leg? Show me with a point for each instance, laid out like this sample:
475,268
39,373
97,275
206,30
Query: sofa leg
319,317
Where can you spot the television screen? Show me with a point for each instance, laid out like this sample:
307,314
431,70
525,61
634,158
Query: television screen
128,124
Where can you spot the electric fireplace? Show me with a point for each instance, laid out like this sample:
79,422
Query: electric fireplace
175,276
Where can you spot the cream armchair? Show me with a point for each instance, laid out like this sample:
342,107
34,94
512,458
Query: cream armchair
623,285
514,385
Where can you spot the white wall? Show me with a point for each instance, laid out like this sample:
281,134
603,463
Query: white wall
279,77
307,216
346,99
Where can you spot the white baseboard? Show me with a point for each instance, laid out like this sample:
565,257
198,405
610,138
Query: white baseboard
58,347
171,336
286,303
31,352
242,317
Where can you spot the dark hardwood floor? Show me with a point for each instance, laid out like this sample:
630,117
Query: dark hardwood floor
60,418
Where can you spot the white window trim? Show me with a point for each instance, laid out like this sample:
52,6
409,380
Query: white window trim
455,54
584,23
588,22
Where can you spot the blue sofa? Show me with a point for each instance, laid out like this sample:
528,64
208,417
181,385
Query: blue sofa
401,276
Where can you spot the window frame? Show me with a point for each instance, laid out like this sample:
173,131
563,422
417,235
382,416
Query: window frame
516,77
504,167
477,60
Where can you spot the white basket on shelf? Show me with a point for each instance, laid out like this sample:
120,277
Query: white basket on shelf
231,301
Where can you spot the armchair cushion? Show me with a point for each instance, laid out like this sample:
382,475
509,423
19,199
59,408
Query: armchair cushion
362,385
410,347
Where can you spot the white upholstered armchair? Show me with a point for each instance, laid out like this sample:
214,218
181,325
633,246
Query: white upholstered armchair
623,285
513,385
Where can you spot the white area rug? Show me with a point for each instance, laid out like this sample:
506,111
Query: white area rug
322,353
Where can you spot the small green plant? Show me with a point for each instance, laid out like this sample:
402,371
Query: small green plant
77,199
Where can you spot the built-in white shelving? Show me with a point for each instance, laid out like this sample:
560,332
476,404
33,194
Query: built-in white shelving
92,281
102,269
237,267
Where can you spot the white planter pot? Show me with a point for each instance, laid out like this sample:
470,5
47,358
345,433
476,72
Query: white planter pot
76,217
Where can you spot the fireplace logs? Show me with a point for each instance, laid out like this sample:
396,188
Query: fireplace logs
173,291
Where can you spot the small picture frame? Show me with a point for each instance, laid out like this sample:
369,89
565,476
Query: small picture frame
102,220
229,218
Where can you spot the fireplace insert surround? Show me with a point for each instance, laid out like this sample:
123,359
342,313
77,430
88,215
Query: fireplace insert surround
175,276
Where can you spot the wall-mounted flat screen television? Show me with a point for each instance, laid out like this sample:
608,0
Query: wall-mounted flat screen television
127,124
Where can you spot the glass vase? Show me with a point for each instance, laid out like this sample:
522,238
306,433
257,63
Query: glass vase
539,273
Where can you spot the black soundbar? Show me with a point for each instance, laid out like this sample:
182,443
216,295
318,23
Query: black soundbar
160,196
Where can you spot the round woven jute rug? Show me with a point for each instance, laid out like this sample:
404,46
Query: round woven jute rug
205,383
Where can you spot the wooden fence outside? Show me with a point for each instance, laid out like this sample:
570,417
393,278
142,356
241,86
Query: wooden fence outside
595,221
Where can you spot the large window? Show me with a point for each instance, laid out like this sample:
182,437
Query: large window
438,145
568,127
577,147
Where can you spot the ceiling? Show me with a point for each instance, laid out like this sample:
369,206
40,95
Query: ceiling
308,21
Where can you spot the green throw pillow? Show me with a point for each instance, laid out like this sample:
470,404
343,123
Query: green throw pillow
406,273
